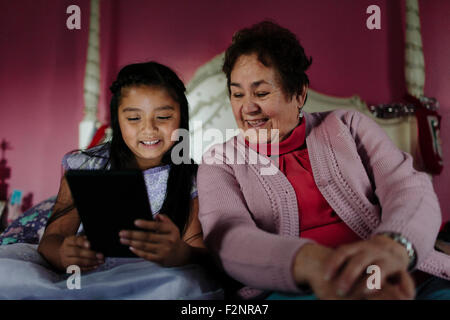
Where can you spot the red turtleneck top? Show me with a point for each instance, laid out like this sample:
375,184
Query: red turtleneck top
318,221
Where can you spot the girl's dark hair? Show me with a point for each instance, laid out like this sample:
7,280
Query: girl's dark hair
276,47
177,202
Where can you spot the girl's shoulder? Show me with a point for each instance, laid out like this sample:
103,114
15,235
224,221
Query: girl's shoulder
90,159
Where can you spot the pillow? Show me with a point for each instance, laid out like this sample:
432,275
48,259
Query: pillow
30,226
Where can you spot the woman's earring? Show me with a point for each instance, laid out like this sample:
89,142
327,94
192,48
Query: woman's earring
300,114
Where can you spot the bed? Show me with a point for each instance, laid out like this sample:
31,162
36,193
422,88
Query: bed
210,112
210,109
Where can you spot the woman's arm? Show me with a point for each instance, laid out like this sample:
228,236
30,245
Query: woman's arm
249,254
409,207
409,204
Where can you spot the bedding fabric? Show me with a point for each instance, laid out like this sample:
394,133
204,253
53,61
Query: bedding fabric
30,226
24,274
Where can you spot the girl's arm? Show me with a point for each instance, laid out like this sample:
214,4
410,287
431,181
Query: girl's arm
57,231
59,245
193,237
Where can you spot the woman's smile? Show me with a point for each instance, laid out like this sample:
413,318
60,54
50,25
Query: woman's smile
258,123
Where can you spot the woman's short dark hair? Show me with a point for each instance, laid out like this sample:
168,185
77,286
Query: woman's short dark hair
276,47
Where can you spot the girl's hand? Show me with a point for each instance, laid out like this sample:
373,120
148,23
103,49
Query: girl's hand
75,250
349,263
161,243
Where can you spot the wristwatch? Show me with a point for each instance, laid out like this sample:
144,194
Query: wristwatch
397,237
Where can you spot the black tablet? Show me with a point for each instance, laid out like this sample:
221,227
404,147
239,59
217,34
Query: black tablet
109,201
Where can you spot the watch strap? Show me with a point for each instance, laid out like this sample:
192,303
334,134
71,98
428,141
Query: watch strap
397,237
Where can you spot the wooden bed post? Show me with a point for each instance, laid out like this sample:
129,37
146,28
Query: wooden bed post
414,61
90,123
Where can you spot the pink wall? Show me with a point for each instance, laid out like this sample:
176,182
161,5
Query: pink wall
347,59
436,46
185,34
42,68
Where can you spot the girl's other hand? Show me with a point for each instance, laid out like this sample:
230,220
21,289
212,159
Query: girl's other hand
75,250
162,242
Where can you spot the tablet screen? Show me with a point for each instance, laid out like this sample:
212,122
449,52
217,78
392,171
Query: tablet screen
109,201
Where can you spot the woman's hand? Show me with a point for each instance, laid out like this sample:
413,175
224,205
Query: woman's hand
311,267
161,243
348,264
75,250
398,287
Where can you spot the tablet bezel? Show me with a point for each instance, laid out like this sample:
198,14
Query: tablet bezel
107,202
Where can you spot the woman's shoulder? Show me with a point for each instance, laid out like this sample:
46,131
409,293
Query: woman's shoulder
223,152
344,115
336,118
90,159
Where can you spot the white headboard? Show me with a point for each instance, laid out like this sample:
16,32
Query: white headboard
402,131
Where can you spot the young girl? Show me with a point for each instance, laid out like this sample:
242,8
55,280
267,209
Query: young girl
147,107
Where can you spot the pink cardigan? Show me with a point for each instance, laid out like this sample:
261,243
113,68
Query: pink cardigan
251,220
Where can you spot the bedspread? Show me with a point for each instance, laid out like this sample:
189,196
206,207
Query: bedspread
24,274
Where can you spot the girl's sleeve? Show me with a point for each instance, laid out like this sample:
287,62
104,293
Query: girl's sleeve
91,159
194,191
73,161
65,163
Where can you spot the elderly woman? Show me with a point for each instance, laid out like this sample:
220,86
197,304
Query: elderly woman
337,201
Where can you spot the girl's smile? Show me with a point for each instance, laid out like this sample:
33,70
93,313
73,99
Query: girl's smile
148,116
151,144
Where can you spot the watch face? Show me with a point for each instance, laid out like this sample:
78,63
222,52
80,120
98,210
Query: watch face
408,246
